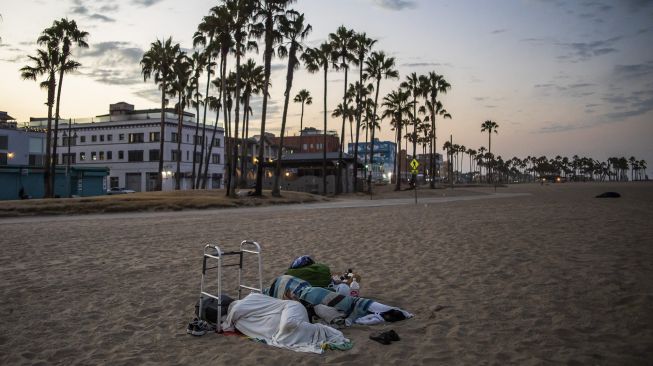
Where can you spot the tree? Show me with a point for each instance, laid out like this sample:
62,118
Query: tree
489,126
303,97
45,63
397,105
344,44
415,86
294,29
179,86
63,35
252,79
378,66
316,59
434,85
363,47
198,62
269,11
158,62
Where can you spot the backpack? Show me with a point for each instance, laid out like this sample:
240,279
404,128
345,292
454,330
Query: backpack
210,308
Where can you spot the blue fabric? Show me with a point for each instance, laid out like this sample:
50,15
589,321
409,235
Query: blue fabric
302,261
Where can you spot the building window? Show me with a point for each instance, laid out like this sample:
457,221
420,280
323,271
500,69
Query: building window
187,155
198,140
187,137
121,155
68,140
101,155
174,154
102,138
198,156
216,142
82,156
173,137
215,158
109,154
135,137
36,159
114,181
305,147
93,155
154,136
82,138
154,155
3,158
109,137
93,138
4,142
121,137
69,158
135,155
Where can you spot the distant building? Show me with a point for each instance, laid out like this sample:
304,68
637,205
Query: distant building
310,140
382,165
127,141
20,146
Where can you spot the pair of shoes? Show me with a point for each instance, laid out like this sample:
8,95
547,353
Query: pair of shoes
386,337
198,327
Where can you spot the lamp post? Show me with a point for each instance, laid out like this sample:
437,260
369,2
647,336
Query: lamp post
69,138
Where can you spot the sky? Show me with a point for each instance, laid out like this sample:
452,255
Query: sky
559,77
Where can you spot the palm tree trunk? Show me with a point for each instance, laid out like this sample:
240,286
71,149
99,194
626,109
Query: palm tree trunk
232,191
324,140
398,161
159,179
53,167
289,77
342,131
48,141
243,146
215,129
197,131
179,130
301,127
376,101
267,64
359,113
202,179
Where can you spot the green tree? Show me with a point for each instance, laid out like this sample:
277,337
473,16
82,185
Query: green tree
378,66
415,85
294,29
252,79
434,85
198,62
158,62
397,105
315,59
179,86
303,97
489,126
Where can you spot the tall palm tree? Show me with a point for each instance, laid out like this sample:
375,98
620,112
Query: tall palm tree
268,12
179,83
489,126
294,29
198,62
63,35
434,85
303,97
45,63
252,76
363,47
397,105
315,59
415,85
344,45
158,62
378,66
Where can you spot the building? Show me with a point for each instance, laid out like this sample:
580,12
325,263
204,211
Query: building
310,140
127,141
385,153
20,146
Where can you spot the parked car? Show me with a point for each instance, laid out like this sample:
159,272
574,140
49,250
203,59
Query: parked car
120,191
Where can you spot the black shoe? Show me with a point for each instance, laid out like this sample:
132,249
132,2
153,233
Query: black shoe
392,335
382,338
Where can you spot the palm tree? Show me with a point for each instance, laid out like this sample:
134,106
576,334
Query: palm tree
344,43
415,86
433,86
45,63
294,30
397,105
269,11
303,97
252,77
198,61
63,35
316,59
179,86
378,66
158,62
363,47
489,126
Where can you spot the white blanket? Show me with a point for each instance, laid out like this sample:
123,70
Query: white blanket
281,323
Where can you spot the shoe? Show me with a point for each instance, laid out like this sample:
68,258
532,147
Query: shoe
197,331
382,338
392,335
189,328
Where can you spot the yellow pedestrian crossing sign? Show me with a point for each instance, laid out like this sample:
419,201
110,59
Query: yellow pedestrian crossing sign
414,164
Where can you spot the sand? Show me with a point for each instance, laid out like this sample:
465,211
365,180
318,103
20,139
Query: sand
554,276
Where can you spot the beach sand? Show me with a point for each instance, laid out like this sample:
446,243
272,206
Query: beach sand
555,276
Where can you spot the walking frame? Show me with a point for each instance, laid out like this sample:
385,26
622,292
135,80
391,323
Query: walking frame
214,253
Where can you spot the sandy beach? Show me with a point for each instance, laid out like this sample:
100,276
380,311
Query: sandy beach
543,275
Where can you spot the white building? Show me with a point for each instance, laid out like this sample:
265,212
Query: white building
127,141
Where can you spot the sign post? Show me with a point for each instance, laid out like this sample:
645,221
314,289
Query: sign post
414,164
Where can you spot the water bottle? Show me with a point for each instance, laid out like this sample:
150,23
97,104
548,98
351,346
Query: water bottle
354,288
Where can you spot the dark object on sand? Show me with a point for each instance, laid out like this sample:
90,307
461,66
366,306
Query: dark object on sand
393,315
386,337
210,308
609,195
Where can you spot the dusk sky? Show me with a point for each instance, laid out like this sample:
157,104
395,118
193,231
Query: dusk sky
559,77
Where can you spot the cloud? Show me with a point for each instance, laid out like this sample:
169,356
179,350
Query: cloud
425,64
555,127
396,4
115,63
497,31
580,51
637,103
146,3
634,71
101,17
